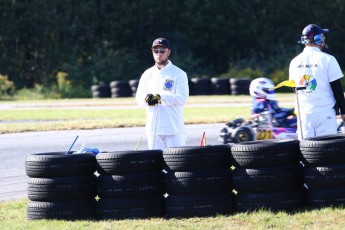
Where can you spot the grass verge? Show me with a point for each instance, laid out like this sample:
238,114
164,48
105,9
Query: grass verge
71,114
13,216
108,113
14,121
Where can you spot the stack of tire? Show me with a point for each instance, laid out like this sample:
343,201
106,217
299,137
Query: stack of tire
201,86
133,84
198,181
220,86
120,89
267,174
61,186
239,86
324,170
191,87
100,91
130,184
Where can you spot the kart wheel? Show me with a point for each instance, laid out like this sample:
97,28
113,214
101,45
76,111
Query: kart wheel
242,134
224,136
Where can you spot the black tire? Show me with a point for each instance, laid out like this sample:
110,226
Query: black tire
186,206
240,88
100,91
191,87
58,164
324,176
62,210
120,89
242,134
123,162
190,158
201,86
240,92
220,81
130,185
220,86
198,182
267,179
265,153
62,188
326,197
133,83
131,208
323,150
100,88
125,92
134,91
201,91
116,95
119,84
287,200
220,90
240,81
101,94
201,81
134,86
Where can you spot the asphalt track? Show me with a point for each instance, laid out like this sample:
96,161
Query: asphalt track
15,147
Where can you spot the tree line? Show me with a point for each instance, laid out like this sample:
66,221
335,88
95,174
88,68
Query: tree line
97,41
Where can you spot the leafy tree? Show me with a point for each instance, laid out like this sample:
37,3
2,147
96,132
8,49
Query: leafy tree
103,40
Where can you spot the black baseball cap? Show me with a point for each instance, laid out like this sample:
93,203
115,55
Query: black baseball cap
311,30
160,42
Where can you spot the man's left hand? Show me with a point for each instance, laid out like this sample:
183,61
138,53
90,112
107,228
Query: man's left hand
157,97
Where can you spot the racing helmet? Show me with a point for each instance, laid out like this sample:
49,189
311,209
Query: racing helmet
313,34
261,88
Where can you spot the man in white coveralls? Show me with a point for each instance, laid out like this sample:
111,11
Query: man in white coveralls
163,89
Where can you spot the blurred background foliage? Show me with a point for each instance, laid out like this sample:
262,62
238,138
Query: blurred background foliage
98,41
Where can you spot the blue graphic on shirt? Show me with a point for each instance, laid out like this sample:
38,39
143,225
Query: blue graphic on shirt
168,85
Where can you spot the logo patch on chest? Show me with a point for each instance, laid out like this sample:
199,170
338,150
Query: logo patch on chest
168,85
309,82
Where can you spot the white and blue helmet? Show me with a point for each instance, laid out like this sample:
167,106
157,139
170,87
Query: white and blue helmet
262,88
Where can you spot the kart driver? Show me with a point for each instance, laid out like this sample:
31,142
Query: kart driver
264,100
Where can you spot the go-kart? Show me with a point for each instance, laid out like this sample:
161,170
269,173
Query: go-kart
261,128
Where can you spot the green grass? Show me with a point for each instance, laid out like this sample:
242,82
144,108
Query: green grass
106,113
71,114
13,216
66,119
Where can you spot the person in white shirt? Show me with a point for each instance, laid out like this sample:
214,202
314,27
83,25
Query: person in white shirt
319,91
164,90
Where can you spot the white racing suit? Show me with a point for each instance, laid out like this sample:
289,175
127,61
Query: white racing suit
171,83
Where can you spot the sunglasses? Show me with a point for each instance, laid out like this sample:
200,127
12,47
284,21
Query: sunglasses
159,50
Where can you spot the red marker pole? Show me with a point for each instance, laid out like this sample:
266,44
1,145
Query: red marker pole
202,143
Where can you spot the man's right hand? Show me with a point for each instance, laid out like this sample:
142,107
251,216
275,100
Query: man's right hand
151,100
148,98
